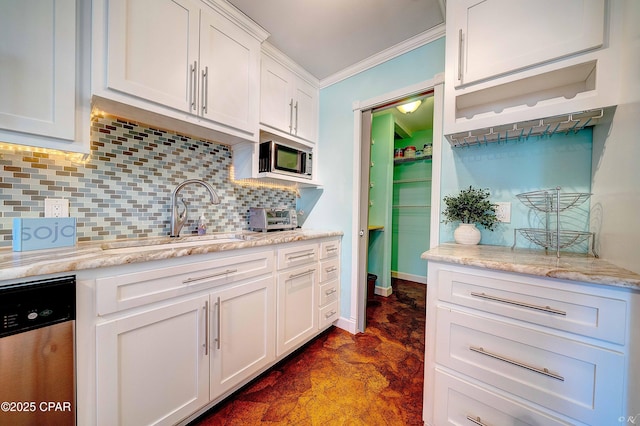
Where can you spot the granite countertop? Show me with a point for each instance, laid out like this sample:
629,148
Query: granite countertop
570,266
136,250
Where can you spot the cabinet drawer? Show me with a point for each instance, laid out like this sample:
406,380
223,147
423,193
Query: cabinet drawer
590,315
328,315
328,292
126,291
466,404
329,270
329,249
567,376
297,255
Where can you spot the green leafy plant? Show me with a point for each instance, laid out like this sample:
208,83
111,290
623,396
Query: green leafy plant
471,206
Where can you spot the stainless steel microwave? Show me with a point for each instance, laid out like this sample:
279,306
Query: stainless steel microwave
276,157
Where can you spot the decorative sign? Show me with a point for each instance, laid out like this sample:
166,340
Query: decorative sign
43,233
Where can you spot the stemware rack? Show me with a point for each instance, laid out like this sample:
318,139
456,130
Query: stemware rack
553,202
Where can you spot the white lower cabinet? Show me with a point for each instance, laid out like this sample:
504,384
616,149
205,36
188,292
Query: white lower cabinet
242,324
174,341
505,348
151,366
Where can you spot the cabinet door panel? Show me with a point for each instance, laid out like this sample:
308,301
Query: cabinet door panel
152,45
243,333
38,82
297,306
499,36
231,58
305,111
276,100
152,367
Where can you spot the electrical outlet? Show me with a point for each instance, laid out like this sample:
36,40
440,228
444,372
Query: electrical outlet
503,212
56,207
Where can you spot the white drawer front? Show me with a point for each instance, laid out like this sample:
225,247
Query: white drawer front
328,292
297,255
328,315
329,269
586,314
126,291
462,403
578,380
329,249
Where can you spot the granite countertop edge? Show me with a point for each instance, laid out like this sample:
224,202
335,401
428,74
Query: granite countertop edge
570,266
90,255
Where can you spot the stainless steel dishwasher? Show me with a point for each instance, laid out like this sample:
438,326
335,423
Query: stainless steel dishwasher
37,366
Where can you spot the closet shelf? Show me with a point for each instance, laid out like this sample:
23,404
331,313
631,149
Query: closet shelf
415,180
411,160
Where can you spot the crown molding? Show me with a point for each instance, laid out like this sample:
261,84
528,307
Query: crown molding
277,55
385,55
236,16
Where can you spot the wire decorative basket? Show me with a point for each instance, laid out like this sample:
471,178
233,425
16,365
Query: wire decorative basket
549,200
548,239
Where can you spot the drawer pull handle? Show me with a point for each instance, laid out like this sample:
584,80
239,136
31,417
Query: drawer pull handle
332,249
521,304
206,327
330,292
301,274
460,55
329,270
543,371
476,421
329,314
301,256
228,271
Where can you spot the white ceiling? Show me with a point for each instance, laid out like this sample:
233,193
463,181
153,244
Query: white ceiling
328,36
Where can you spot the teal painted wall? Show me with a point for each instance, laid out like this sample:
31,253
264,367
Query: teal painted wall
331,206
517,167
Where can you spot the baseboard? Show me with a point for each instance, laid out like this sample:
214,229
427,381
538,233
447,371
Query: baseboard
348,325
383,291
409,277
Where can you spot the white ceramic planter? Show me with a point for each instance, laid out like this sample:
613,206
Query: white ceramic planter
467,233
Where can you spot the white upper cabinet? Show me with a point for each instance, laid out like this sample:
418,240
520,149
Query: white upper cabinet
41,98
288,103
499,36
509,61
152,49
177,63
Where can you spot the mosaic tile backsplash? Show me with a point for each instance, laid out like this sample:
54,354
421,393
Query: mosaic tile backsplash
123,190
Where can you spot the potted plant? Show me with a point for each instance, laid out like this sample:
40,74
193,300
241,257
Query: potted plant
470,207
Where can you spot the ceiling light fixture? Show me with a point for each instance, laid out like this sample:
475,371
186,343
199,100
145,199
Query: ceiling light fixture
409,107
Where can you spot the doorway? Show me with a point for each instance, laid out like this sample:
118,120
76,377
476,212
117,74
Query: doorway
379,203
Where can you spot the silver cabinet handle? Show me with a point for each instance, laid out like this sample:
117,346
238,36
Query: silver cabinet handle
228,271
330,249
291,116
543,371
206,327
300,256
205,89
295,129
329,314
460,55
219,325
330,292
517,303
330,270
476,421
301,274
193,79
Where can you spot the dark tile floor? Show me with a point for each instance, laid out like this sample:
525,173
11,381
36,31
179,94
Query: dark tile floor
372,378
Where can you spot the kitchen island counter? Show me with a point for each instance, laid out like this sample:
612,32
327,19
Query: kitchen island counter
570,266
107,253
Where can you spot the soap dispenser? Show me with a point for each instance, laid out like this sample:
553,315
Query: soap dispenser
202,225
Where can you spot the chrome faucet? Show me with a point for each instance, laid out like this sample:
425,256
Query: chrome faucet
178,219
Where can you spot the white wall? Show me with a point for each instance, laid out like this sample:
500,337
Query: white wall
615,205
